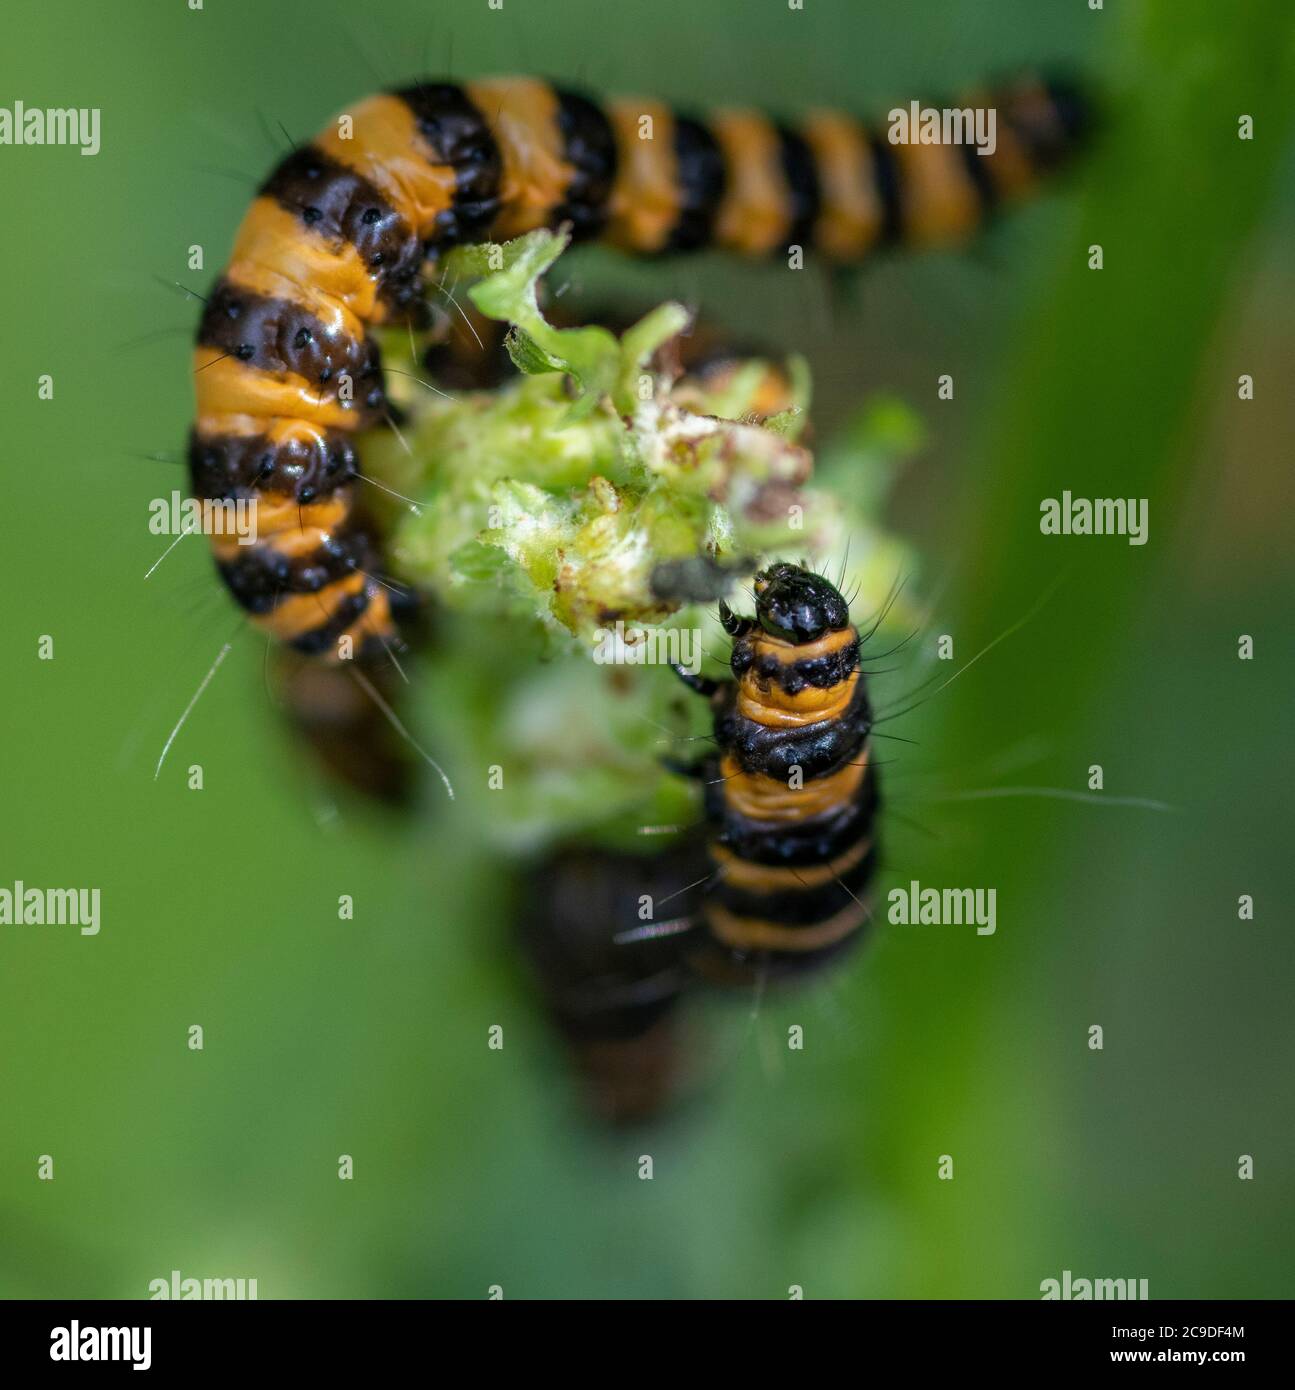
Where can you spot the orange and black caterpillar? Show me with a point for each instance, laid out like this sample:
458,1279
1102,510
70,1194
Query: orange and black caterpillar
792,793
777,888
334,244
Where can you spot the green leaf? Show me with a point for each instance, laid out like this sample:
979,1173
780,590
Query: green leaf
528,357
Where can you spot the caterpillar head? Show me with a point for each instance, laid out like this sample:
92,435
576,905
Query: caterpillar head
798,605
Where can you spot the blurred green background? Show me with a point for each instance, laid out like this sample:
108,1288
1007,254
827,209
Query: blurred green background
368,1037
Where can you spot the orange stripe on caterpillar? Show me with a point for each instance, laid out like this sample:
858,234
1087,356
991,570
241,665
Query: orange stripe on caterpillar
275,255
223,384
770,878
523,117
296,614
383,144
645,195
761,798
851,220
755,214
753,934
773,707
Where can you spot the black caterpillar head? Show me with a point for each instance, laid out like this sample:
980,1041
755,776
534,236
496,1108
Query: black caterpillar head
798,605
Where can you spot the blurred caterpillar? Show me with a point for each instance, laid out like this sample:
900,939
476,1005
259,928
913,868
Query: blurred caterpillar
613,993
792,794
334,244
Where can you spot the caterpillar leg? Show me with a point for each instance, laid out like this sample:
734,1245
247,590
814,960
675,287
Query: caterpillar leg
732,624
701,685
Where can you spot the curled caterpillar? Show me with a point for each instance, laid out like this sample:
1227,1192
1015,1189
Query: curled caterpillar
287,374
792,795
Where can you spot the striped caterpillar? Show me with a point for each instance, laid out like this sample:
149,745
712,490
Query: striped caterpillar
792,794
287,373
792,799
